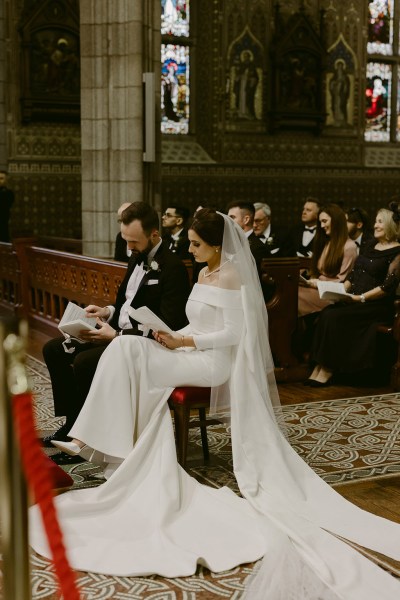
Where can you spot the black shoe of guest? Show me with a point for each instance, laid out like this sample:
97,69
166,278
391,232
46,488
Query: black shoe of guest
308,381
319,384
60,434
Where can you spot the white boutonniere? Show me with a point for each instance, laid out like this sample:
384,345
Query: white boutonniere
154,266
270,240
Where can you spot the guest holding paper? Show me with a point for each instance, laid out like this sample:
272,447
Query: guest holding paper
333,257
345,336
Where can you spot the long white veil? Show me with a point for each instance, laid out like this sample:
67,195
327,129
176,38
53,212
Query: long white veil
281,486
254,351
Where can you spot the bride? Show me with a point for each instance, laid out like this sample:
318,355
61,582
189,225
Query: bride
151,517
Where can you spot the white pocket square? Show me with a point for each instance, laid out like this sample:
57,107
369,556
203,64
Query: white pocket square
152,282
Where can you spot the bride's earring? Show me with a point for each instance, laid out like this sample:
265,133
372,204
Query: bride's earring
216,250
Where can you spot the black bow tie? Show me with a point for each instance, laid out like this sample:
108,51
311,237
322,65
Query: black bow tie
310,228
141,257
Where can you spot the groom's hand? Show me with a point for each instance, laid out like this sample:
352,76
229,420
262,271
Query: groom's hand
96,311
103,333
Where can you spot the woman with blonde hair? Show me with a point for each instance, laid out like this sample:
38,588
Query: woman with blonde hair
345,336
333,257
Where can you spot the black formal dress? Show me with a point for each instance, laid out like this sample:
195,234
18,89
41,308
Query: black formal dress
164,290
345,335
6,201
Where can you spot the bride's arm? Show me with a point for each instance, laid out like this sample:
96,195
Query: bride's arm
228,335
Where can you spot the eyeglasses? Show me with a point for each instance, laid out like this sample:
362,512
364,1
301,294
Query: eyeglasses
260,220
168,215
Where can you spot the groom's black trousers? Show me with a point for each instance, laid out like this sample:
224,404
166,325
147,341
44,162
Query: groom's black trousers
71,375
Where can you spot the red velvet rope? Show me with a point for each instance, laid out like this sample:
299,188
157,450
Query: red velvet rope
33,461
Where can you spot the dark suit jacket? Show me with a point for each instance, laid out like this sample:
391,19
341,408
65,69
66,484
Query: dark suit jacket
166,298
120,249
277,242
180,247
258,249
294,243
367,239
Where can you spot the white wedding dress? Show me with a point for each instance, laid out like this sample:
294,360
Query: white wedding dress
151,517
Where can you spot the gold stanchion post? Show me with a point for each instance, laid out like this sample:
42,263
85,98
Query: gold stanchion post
13,493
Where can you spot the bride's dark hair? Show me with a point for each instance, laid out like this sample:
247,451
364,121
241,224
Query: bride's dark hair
209,225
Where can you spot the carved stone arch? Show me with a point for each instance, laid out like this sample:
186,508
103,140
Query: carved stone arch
340,84
235,19
298,62
50,86
332,24
351,26
258,20
245,78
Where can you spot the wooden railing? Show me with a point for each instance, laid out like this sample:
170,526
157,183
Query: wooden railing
38,283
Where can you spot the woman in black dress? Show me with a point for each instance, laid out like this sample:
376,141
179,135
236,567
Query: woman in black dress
345,336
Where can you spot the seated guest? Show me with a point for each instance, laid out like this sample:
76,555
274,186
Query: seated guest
267,234
243,214
345,336
358,227
176,234
121,252
155,278
299,241
333,257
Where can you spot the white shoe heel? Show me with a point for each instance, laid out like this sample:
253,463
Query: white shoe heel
73,449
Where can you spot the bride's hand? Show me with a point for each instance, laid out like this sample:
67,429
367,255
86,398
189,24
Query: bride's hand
168,340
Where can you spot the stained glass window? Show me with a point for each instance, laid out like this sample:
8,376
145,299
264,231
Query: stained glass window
174,88
378,93
175,17
380,27
175,62
382,92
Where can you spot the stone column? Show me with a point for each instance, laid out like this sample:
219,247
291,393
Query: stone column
112,65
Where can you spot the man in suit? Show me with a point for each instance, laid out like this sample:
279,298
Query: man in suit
358,227
268,235
299,241
243,214
155,278
121,252
6,201
176,235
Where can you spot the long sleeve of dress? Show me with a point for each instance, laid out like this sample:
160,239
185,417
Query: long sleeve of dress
228,335
392,280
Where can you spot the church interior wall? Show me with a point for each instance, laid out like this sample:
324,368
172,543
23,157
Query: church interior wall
231,154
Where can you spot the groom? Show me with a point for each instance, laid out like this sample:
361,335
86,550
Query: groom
155,278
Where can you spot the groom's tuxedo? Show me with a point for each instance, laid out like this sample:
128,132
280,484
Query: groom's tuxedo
164,289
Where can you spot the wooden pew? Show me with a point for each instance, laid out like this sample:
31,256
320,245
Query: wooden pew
37,283
280,281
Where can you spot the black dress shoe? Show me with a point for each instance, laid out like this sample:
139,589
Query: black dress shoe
61,458
319,384
308,381
60,434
